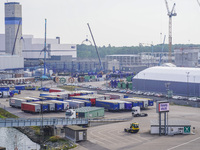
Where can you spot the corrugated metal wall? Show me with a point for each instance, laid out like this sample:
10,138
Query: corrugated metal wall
178,88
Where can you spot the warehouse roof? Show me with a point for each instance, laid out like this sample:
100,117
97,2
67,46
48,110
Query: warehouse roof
177,74
88,109
76,128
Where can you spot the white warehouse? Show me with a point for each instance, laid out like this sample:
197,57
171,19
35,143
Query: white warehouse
32,47
180,80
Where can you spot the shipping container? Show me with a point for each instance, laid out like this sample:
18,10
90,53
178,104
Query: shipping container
51,90
59,106
90,98
44,105
108,105
4,88
141,102
20,87
53,98
115,95
150,101
33,99
90,112
30,107
73,104
16,102
5,94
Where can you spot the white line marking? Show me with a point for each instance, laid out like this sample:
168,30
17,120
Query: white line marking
184,143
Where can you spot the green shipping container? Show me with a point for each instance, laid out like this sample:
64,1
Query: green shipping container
90,112
123,85
130,86
128,79
119,85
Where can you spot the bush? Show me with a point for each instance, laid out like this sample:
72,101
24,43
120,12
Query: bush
55,138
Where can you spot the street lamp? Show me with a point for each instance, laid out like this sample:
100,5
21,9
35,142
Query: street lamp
188,83
167,89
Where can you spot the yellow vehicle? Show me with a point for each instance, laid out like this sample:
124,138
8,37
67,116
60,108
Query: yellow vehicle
134,128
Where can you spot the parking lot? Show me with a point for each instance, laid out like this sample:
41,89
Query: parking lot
112,136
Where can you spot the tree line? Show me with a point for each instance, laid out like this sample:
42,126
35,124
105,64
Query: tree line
89,52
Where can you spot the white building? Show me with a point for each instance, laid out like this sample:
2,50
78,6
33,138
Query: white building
173,127
32,47
186,57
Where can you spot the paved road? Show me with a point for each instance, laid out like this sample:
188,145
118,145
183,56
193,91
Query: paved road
112,136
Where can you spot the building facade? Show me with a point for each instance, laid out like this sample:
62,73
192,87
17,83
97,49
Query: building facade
186,57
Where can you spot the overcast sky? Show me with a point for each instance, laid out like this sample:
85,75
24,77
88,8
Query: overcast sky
115,22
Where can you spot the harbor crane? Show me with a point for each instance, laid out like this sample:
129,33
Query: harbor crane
170,14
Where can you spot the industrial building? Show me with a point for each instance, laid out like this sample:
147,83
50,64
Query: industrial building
11,58
177,80
32,48
186,57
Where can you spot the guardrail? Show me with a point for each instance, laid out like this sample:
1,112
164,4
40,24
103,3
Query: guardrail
21,122
114,120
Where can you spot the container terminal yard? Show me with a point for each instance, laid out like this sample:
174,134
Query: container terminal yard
111,135
122,102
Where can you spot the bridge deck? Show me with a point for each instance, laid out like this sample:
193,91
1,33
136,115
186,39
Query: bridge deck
11,122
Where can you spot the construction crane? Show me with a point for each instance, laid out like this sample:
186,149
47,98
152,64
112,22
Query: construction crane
100,65
170,14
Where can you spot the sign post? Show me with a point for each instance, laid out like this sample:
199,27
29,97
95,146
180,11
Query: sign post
163,107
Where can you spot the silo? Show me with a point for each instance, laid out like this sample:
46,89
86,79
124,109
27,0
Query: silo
13,28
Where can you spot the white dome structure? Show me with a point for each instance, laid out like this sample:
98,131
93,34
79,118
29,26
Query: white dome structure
176,74
179,80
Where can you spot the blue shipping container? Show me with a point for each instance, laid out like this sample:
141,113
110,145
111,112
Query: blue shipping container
20,87
108,105
150,103
128,106
4,88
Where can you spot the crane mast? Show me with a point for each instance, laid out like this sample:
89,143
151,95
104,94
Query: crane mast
170,14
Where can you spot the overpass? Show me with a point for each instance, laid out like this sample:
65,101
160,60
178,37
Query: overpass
22,122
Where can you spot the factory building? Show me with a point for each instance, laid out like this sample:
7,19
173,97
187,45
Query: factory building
177,80
186,57
32,48
124,60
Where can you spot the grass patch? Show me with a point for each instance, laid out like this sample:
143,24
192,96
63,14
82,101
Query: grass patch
6,114
36,129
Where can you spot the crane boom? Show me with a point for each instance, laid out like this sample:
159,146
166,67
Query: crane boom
95,47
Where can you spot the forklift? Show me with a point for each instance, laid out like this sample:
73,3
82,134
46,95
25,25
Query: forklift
134,128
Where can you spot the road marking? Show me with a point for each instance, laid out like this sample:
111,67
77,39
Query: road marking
184,143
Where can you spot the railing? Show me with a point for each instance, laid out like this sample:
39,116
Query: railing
114,120
11,122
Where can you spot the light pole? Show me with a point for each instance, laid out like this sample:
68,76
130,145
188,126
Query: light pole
194,87
188,83
144,83
167,89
